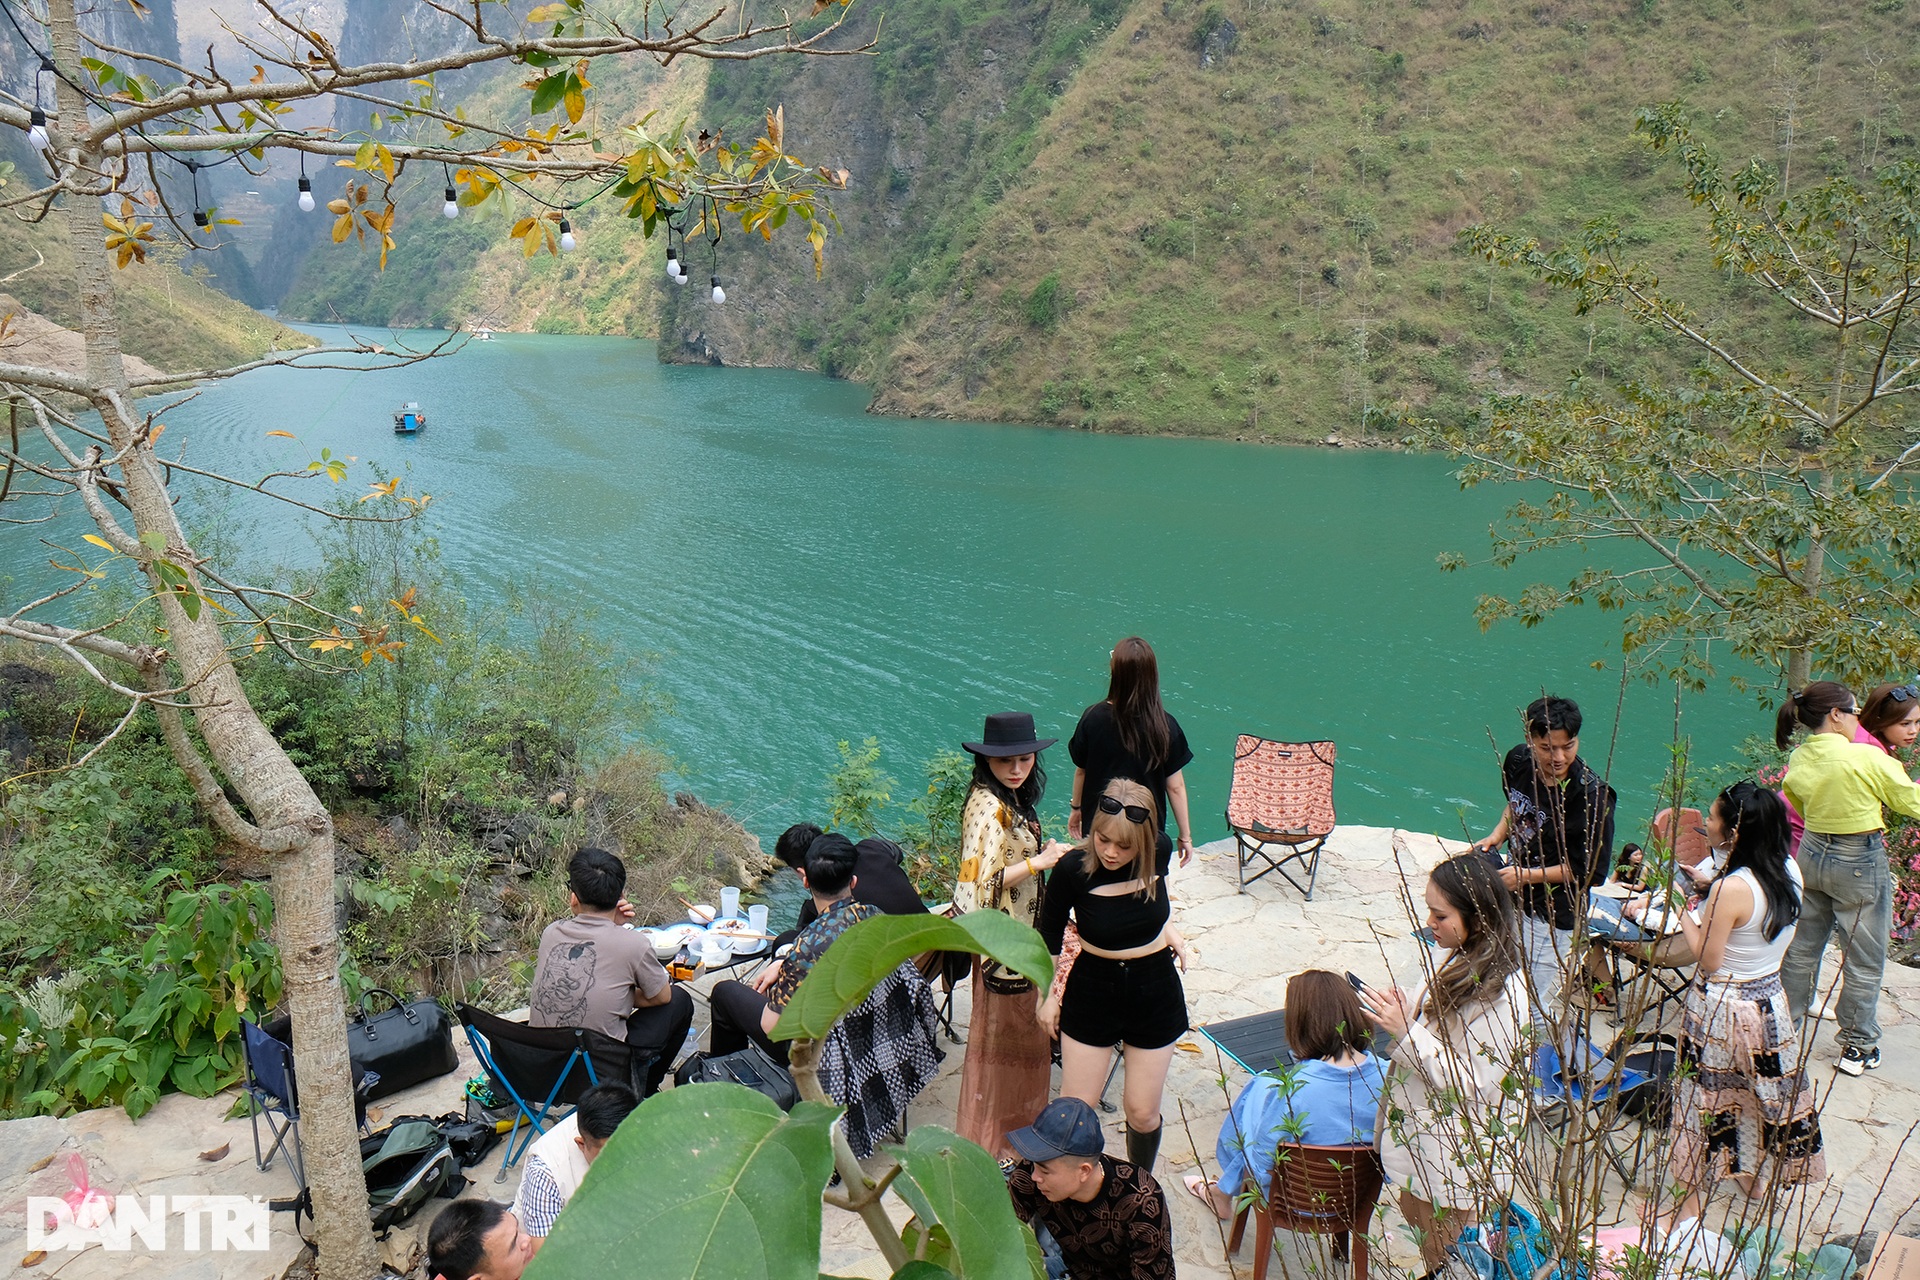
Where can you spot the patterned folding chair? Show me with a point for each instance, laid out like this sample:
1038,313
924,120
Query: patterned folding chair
544,1070
1281,807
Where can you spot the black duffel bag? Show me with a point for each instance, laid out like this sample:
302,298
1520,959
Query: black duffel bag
411,1042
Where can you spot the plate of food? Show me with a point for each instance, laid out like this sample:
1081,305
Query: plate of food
742,938
668,939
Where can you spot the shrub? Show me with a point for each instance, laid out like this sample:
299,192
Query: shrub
1046,304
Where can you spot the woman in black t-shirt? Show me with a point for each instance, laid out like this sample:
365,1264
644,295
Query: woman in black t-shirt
1131,736
1124,987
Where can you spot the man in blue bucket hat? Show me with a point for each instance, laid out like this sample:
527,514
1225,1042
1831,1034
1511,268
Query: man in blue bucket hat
1107,1216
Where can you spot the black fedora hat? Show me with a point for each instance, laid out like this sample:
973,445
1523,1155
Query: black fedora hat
1008,733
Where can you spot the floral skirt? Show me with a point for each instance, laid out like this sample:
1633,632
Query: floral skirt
1742,1102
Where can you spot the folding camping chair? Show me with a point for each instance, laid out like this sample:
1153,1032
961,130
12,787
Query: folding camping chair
1316,1191
541,1068
1598,1085
272,1089
1664,963
944,971
1281,807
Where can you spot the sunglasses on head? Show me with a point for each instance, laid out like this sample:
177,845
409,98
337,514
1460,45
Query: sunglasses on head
1134,812
1904,693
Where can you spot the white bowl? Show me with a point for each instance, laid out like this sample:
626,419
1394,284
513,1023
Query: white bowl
701,914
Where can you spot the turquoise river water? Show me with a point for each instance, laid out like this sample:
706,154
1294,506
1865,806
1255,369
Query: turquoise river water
807,573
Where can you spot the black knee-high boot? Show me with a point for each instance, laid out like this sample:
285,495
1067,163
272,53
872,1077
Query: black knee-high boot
1144,1148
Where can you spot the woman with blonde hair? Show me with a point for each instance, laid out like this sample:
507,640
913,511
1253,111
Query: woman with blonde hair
1457,1043
1125,987
1003,1083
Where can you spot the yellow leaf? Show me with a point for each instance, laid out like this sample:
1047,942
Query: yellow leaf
342,228
96,540
287,434
776,125
548,13
339,206
576,102
386,162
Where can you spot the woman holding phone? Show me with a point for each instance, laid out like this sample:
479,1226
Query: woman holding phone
1742,1107
1457,1041
1125,987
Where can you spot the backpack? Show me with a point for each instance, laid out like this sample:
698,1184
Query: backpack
407,1164
1655,1055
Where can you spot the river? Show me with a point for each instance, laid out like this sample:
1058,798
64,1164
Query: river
806,573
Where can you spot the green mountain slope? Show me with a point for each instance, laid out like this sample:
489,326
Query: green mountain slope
170,319
1238,216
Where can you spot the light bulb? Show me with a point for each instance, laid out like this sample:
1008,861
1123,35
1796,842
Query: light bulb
200,218
673,266
451,208
37,130
306,195
566,236
681,278
719,294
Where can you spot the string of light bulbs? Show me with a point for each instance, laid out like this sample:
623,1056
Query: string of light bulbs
41,141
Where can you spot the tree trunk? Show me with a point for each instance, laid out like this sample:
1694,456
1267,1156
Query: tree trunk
276,796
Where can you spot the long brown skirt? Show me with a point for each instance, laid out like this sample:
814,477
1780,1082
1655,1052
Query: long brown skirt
1004,1082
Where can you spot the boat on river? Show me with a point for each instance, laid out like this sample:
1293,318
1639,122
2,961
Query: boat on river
408,419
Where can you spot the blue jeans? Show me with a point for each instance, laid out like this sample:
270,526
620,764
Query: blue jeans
1849,888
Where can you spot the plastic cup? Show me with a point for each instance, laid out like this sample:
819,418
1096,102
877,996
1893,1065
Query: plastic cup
729,903
757,917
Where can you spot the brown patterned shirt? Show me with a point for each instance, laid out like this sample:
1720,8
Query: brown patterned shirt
1124,1233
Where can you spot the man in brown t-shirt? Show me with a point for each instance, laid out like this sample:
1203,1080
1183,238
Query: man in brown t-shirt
596,973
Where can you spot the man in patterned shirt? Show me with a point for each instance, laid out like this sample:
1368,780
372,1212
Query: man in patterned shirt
557,1161
1108,1217
743,1013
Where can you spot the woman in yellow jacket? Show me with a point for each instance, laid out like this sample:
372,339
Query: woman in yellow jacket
1841,788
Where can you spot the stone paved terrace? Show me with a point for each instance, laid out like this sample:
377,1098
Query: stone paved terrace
1248,944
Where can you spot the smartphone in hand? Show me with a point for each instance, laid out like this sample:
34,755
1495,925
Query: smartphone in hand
1353,980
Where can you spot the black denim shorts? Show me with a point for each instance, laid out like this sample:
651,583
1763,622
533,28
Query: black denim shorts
1139,1003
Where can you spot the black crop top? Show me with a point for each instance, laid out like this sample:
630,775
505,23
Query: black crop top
1109,923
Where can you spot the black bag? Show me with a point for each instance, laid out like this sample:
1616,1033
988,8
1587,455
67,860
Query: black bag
1657,1056
407,1164
404,1045
751,1066
470,1139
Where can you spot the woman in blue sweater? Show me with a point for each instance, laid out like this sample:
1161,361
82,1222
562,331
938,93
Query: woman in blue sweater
1328,1099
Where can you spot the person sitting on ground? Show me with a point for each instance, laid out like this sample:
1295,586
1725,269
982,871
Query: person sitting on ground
593,972
743,1013
1558,826
1108,1217
477,1239
558,1159
1330,1098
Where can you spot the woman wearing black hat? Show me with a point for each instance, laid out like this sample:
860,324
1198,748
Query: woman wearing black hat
1004,1081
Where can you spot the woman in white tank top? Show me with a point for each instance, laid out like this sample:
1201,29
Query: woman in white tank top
1743,1107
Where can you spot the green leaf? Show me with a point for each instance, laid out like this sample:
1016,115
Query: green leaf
948,1180
153,540
547,96
859,958
703,1182
917,1270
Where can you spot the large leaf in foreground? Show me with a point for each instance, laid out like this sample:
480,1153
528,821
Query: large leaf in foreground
872,949
705,1182
948,1180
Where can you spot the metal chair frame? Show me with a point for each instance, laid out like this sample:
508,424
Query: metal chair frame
1556,1092
1257,839
266,1102
571,1047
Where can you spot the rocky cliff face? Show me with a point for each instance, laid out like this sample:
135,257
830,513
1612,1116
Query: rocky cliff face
935,126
